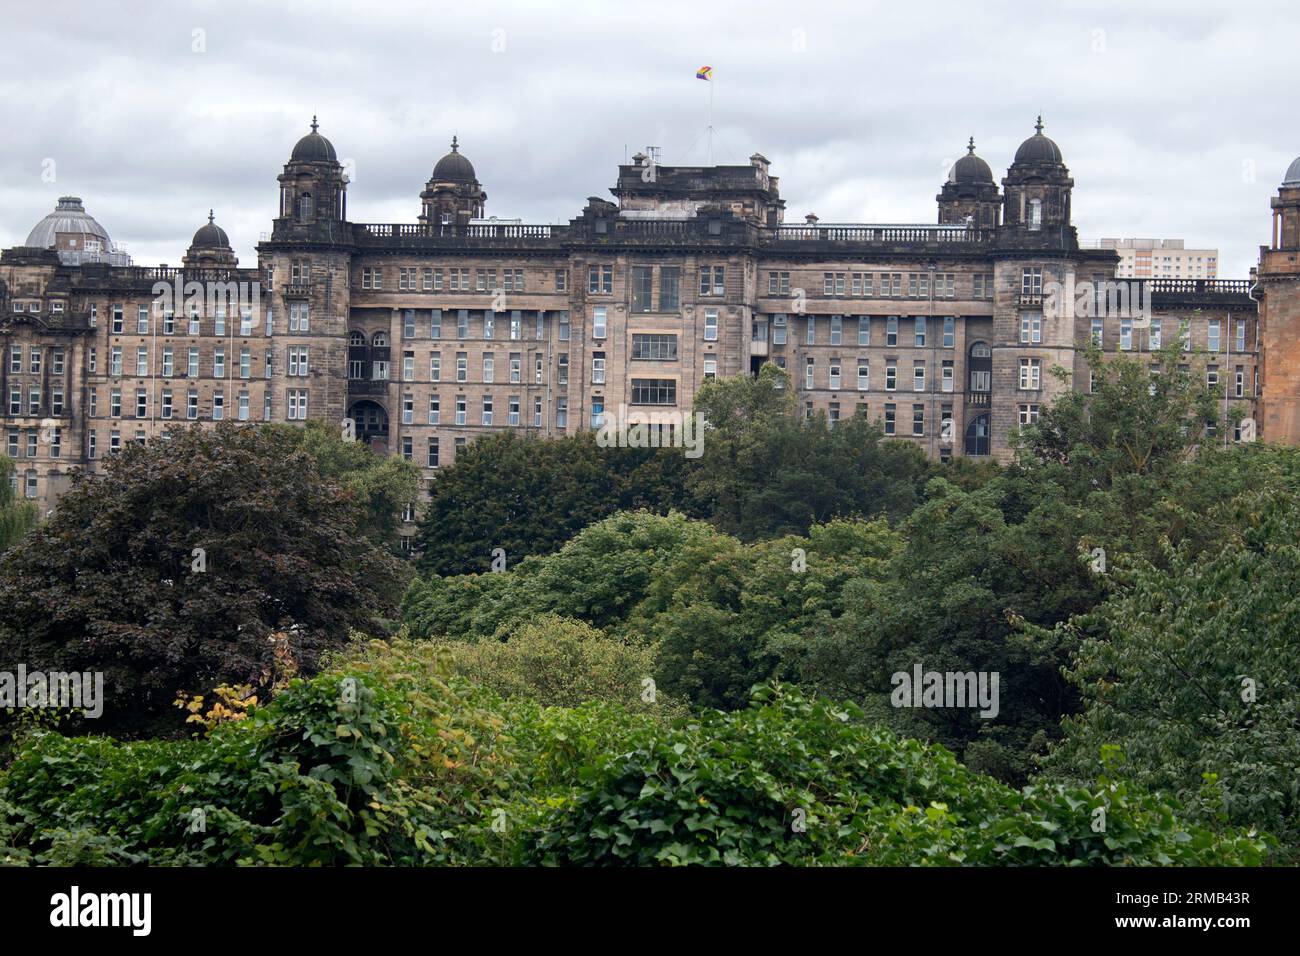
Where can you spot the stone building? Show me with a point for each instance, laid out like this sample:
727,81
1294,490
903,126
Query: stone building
427,333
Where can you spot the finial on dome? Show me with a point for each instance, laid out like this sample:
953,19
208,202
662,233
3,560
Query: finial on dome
314,124
455,146
211,217
1039,125
970,147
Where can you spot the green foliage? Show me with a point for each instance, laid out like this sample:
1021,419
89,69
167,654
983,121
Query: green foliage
529,496
767,470
556,661
796,781
112,582
17,515
386,760
1192,672
380,486
721,614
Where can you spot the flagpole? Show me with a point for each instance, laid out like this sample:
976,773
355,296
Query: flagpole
710,119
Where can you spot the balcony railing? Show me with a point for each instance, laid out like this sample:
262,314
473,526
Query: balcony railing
1201,286
367,386
854,232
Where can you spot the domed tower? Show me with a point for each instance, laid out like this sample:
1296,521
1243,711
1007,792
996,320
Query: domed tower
970,194
313,190
210,248
1037,187
76,236
453,195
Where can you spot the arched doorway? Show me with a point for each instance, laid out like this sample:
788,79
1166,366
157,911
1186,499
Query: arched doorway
371,423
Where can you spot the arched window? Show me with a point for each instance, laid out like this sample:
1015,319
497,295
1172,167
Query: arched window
977,436
356,338
1035,214
379,340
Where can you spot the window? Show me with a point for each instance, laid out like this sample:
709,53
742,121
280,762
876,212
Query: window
598,368
1185,335
598,322
512,410
810,369
597,412
1211,376
297,404
408,366
114,360
562,370
861,284
117,320
298,362
408,323
1239,382
891,375
516,325
778,329
561,280
218,406
654,347
462,367
298,319
1096,333
489,320
564,326
713,280
832,283
1031,327
435,410
487,410
891,331
918,420
435,323
642,286
408,409
1154,335
810,325
710,369
835,374
654,391
192,404
1035,214
864,330
141,403
837,329
918,375
193,324
1241,335
919,332
947,376
219,362
1212,337
515,368
35,364
219,325
115,403
56,400
141,361
1031,282
949,331
864,375
670,286
460,409
1028,414
432,459
489,367
166,403
600,279
710,325
243,405
891,414
1031,373
561,413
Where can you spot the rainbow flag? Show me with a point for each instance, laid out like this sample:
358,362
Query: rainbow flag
704,73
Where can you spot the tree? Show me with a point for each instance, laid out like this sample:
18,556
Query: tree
172,571
381,485
1190,676
527,496
16,515
768,471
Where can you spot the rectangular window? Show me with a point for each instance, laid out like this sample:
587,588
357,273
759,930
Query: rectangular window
435,410
948,376
835,374
810,369
1241,335
1212,337
1030,373
949,331
218,406
891,375
598,322
489,323
654,391
1126,334
166,403
192,404
219,362
1031,282
564,326
891,415
918,375
918,420
1154,335
515,368
642,288
141,361
654,347
408,409
670,288
460,409
487,410
837,329
489,367
117,320
864,330
1097,332
778,329
1028,414
512,410
1031,327
710,325
864,375
598,368
810,326
600,279
710,369
891,331
432,459
462,367
435,323
919,332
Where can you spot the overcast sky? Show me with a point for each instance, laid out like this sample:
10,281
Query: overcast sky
1177,120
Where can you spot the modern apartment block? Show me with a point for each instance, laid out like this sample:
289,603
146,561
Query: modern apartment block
427,333
1161,259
